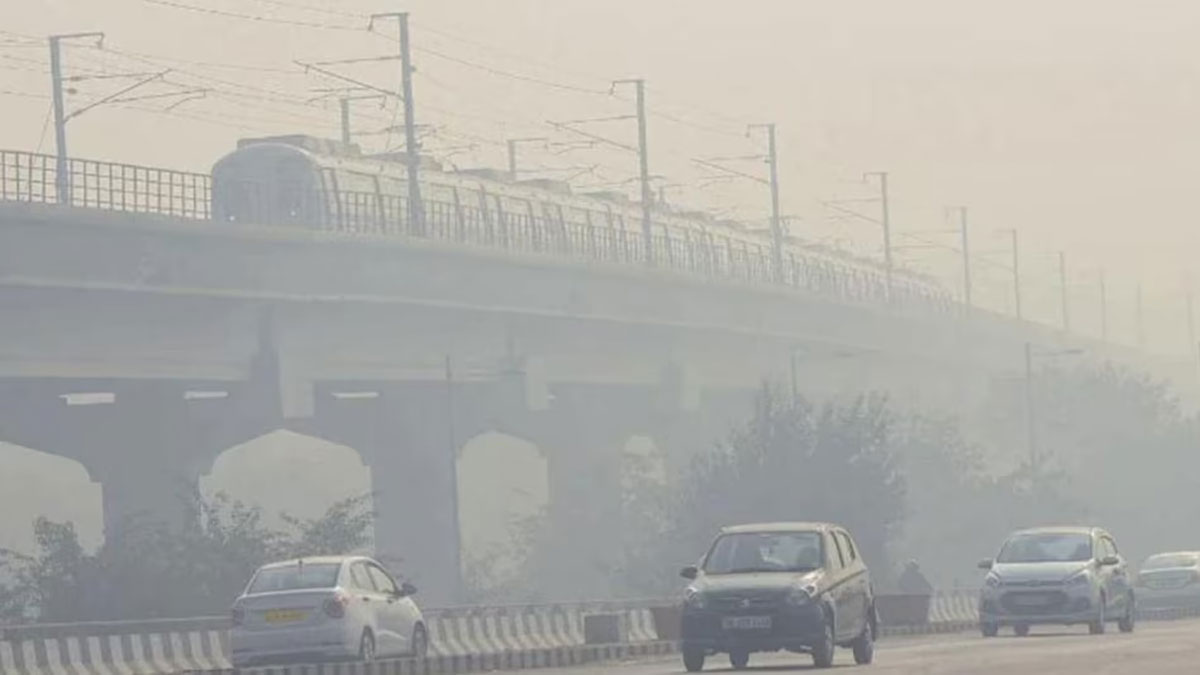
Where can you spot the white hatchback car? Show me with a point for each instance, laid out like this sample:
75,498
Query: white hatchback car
312,609
1056,575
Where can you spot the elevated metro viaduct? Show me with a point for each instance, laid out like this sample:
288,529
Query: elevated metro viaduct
404,349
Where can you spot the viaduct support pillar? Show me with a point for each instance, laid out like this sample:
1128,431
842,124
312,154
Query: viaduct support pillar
405,435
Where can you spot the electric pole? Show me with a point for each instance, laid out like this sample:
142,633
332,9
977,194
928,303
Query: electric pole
776,225
1030,427
966,255
644,161
412,158
1141,329
345,120
1193,349
1063,291
512,153
347,135
1016,266
886,221
62,178
1103,309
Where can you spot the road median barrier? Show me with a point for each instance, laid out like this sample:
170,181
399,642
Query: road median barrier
462,639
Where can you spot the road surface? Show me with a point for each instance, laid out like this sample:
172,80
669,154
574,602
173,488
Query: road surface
1164,648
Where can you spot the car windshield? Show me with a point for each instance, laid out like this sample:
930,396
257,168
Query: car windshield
765,552
1168,560
295,577
1046,547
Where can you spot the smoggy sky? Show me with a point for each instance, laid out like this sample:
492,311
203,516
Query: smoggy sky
1072,120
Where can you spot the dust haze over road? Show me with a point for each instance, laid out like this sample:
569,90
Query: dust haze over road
575,420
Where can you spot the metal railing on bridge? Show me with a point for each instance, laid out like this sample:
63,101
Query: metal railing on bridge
29,177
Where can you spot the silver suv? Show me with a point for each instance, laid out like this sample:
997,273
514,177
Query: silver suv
1056,575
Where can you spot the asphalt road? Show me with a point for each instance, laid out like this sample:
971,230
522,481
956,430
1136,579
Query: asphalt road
1163,648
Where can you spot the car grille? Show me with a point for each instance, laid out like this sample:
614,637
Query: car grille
1033,583
746,601
1034,602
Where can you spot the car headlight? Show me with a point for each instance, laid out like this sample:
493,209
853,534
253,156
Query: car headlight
1079,579
802,595
693,598
992,580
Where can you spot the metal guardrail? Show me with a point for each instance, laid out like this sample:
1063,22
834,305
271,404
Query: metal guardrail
31,177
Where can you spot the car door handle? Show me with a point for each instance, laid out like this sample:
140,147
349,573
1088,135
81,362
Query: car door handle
366,598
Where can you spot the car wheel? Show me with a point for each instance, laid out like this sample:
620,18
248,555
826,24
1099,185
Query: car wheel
1021,629
1126,623
693,659
864,645
366,647
1098,626
420,642
989,630
739,659
823,653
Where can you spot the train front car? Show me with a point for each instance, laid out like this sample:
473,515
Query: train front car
274,181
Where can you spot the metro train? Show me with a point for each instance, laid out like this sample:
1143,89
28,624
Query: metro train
325,184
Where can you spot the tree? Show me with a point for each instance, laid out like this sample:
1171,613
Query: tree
792,461
147,570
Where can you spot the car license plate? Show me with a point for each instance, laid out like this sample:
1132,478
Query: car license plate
284,615
1031,600
746,623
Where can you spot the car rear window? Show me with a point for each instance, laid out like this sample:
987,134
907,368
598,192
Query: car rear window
1165,561
294,577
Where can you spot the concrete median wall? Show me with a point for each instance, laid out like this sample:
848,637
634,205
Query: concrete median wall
462,640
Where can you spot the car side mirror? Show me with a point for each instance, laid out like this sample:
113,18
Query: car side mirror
1110,561
986,564
689,572
407,589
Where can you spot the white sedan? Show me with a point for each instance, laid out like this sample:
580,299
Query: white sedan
315,609
1170,580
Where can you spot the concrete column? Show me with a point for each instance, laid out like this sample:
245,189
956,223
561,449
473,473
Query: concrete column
583,435
404,434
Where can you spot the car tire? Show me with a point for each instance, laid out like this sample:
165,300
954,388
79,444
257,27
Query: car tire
693,659
1021,629
989,630
739,659
1127,622
864,645
1098,626
822,653
420,642
366,647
